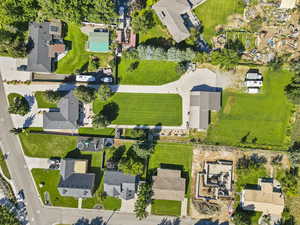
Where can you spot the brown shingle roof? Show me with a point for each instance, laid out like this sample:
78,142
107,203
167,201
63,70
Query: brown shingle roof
168,185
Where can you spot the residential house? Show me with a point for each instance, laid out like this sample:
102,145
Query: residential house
98,41
75,181
201,102
266,198
168,185
177,16
253,81
93,144
46,43
120,185
67,116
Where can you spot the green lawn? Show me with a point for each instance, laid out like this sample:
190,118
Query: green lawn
177,156
157,32
145,109
214,12
166,207
47,145
259,120
42,101
50,179
111,203
148,72
249,177
3,166
97,131
78,57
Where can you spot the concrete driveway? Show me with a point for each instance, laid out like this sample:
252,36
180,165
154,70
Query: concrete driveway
8,69
40,163
128,205
183,86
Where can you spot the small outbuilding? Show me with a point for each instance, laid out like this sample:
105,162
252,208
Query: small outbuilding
253,81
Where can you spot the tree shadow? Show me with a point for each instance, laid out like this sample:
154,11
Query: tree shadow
28,121
85,221
244,138
166,221
158,42
110,111
211,222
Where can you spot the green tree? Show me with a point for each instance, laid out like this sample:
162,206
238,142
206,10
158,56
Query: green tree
94,64
7,218
201,57
131,165
276,63
19,106
103,11
52,96
104,92
226,58
144,199
239,219
142,20
181,67
100,121
85,94
140,151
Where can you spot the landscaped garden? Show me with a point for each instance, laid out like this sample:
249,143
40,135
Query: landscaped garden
144,109
47,145
166,207
259,120
215,12
148,72
78,58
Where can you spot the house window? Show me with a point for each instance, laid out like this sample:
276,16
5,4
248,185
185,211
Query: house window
163,14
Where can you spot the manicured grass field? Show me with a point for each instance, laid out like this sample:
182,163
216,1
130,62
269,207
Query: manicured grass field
146,109
166,207
215,12
3,166
42,101
50,179
78,57
259,120
46,145
148,72
169,155
97,131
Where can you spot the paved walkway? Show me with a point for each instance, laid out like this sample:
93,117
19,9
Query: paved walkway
184,207
183,86
128,205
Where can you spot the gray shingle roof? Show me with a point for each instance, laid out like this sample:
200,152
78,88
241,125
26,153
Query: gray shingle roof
38,59
171,15
118,184
77,185
201,102
67,117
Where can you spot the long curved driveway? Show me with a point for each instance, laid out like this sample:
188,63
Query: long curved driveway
22,179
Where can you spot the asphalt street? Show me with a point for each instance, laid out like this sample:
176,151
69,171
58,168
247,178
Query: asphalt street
41,215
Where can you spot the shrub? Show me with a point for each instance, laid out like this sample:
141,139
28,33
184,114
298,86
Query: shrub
19,106
85,94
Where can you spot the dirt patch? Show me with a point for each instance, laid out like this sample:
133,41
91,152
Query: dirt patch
214,153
